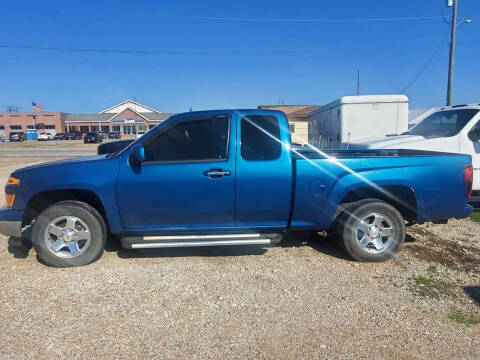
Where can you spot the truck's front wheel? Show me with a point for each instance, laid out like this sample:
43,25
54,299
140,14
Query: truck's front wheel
371,231
69,233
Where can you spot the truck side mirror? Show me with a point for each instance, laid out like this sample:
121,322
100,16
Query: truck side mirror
474,135
137,156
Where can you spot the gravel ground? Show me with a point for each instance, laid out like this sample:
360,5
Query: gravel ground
52,148
300,300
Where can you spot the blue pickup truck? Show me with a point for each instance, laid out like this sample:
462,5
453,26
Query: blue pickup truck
231,177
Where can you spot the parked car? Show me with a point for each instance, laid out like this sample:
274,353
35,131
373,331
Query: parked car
92,137
453,129
45,136
59,136
224,177
113,146
114,135
140,134
73,135
17,136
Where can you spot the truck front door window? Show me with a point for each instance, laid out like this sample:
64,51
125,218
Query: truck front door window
192,140
260,137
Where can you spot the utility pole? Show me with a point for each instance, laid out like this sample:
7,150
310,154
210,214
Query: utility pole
358,81
451,62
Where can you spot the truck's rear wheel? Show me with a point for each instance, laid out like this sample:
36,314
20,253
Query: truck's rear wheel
69,233
371,231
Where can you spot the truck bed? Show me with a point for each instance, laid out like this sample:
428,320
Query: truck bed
417,180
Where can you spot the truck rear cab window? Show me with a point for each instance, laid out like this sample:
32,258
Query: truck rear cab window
203,139
260,137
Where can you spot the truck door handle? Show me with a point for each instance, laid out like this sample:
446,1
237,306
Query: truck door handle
216,173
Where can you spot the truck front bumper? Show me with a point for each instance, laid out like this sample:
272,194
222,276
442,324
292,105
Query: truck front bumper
11,222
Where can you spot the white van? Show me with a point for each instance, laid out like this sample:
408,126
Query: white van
454,129
355,117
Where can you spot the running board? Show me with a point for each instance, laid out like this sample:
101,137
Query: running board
166,241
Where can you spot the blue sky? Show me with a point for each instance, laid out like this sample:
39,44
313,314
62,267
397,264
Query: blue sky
248,62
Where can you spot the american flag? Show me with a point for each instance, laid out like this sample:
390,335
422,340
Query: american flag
36,107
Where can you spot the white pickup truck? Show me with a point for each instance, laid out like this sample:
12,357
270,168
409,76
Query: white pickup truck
453,129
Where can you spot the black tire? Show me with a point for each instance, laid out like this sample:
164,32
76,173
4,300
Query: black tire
348,233
82,211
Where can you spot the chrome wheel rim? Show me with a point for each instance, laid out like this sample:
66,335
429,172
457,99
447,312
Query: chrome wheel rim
67,236
375,233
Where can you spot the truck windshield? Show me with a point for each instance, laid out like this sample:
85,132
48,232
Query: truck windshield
443,123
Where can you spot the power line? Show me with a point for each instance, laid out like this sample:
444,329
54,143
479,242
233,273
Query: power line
145,52
210,18
427,63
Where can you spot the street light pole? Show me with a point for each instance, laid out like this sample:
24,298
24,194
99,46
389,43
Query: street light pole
452,54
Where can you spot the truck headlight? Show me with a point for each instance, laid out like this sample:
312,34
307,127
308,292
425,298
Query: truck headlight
12,181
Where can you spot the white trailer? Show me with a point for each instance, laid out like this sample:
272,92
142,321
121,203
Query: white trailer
356,117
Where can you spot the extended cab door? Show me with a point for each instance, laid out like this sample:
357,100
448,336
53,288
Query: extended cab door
264,170
187,181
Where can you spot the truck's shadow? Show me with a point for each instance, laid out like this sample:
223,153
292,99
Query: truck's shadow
207,251
320,242
313,240
474,293
20,247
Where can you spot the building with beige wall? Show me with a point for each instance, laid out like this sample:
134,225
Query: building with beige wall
297,119
20,122
126,118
